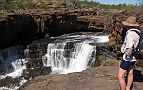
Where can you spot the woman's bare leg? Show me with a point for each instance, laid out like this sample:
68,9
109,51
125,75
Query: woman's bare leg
121,78
130,78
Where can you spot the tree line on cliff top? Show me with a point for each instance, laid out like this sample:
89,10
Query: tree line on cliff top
9,5
114,6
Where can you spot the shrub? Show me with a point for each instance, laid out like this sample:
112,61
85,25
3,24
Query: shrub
30,5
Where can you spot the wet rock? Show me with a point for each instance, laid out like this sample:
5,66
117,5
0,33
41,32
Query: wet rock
38,71
32,63
9,82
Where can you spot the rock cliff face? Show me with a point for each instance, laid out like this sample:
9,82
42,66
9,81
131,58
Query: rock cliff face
23,28
15,29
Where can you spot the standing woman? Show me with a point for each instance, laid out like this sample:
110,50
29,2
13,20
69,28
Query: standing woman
131,42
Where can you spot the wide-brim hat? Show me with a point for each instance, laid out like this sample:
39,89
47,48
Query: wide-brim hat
131,21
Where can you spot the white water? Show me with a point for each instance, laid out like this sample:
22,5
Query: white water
78,58
102,39
76,62
55,56
79,61
13,64
12,61
18,65
22,81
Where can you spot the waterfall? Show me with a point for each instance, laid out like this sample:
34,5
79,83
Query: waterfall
65,54
55,57
78,57
80,60
73,53
17,68
12,64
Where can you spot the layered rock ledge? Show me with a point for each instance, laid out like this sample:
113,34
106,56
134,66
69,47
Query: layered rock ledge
23,27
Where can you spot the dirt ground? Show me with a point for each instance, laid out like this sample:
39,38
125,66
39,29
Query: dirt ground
97,78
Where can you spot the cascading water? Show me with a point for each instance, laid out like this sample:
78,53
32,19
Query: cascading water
12,64
55,53
72,54
76,61
79,60
65,54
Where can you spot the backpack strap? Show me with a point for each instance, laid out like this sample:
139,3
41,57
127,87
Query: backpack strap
136,32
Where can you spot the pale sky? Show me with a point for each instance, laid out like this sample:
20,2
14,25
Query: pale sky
117,1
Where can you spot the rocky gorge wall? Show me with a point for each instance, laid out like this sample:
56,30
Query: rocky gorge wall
23,28
14,29
27,26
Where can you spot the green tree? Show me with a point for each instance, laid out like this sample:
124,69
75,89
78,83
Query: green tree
86,1
74,3
11,5
16,4
30,5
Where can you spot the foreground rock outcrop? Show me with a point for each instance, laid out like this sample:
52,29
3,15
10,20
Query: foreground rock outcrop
97,78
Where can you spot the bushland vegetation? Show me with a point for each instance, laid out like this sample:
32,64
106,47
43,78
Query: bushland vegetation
11,5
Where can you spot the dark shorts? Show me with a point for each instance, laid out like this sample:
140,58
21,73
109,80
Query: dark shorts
126,64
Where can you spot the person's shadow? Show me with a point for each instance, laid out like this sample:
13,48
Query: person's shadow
138,76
